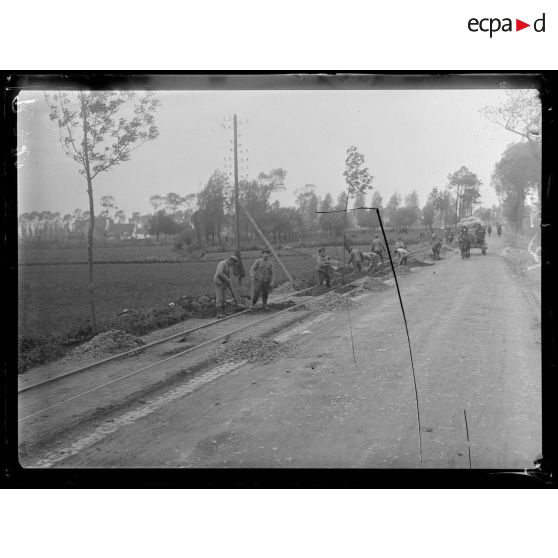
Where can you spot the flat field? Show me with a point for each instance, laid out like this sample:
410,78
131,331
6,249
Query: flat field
53,296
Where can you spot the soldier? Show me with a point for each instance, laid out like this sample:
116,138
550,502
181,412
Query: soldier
222,281
399,243
261,274
489,229
378,247
355,259
324,268
402,253
373,260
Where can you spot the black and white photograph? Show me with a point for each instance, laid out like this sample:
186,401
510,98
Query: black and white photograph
333,272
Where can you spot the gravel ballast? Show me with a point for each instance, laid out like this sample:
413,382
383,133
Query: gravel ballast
107,342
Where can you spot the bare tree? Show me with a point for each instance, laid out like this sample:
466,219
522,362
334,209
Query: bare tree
520,113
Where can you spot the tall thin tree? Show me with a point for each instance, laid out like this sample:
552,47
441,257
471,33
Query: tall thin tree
99,130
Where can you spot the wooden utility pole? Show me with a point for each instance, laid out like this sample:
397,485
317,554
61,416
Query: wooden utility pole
236,204
268,244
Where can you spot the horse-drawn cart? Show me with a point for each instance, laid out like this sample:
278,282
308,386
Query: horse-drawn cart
471,234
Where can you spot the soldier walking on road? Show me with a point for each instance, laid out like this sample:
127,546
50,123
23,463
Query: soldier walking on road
222,282
261,274
489,230
378,247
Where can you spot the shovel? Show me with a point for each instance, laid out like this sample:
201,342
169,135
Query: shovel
238,306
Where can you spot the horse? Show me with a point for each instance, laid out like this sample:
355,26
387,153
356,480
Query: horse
465,247
436,246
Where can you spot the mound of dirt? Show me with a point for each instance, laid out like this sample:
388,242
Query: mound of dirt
253,349
375,285
107,342
331,303
284,288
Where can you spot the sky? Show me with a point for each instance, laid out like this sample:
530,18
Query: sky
410,139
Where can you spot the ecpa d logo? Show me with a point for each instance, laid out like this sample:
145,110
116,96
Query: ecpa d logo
492,25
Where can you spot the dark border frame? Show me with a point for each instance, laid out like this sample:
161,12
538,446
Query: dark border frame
14,476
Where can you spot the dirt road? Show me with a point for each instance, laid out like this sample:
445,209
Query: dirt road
475,334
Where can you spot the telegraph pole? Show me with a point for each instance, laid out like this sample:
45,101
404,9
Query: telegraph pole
236,204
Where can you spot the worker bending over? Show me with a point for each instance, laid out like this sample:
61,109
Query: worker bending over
378,247
222,282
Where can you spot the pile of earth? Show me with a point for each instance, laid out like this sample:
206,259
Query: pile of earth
195,303
375,285
333,302
284,288
253,349
107,342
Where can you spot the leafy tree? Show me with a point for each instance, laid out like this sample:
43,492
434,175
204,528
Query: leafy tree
404,217
136,218
99,134
412,199
255,197
172,202
120,216
67,221
441,201
358,180
466,186
520,113
210,216
161,223
325,220
156,202
308,203
357,177
515,176
108,203
377,200
283,221
428,215
414,213
393,203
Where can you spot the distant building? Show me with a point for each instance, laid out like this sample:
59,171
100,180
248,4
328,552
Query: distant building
120,231
140,233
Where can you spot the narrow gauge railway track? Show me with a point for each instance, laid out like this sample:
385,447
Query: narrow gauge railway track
67,375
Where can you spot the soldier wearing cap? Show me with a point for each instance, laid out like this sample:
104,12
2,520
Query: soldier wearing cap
222,281
261,274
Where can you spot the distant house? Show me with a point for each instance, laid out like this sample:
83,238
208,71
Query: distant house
140,233
120,231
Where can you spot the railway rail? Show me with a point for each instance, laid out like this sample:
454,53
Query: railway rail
33,387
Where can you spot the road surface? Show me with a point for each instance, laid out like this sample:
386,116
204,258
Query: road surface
475,333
